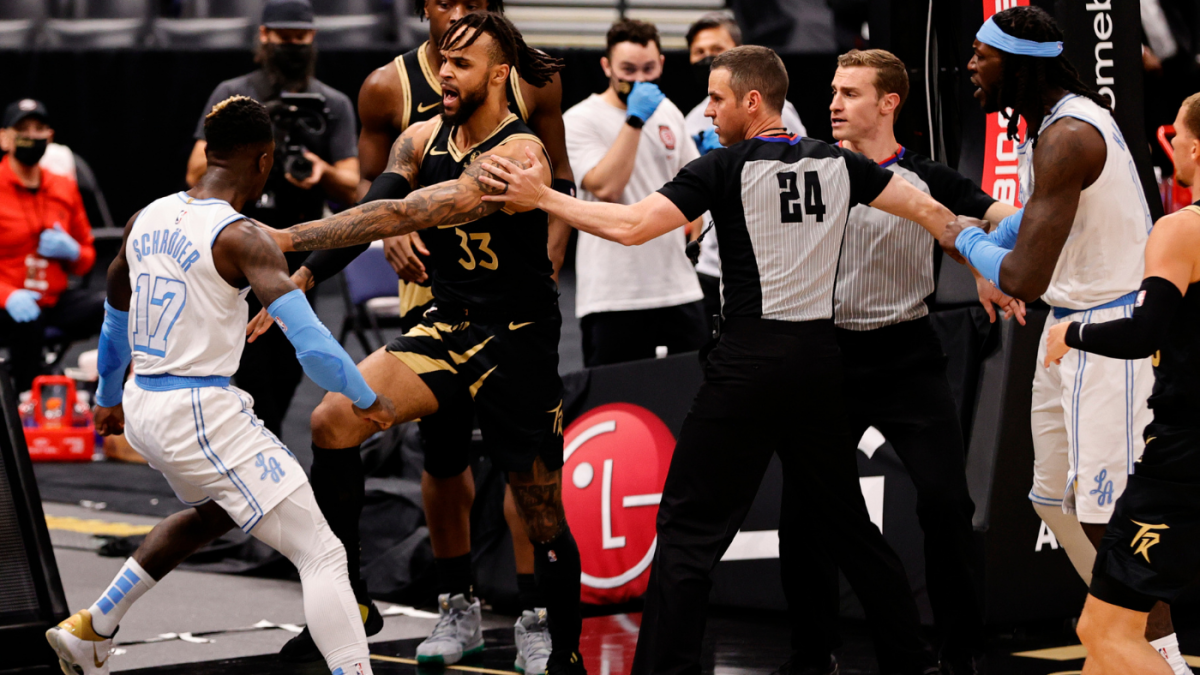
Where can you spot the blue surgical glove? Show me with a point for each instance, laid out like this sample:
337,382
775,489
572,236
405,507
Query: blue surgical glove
22,305
707,140
56,243
644,100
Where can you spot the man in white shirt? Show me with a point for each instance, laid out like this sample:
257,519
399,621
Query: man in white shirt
712,34
631,300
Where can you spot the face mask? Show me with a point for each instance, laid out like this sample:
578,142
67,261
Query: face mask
700,70
29,151
625,87
292,61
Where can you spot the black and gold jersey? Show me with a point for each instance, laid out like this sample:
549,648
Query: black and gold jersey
423,90
497,264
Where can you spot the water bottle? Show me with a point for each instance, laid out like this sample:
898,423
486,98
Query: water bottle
83,408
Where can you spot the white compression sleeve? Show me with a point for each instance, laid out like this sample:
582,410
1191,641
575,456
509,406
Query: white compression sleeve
1071,537
296,528
1169,648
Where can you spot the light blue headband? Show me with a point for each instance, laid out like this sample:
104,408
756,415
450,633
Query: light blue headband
990,34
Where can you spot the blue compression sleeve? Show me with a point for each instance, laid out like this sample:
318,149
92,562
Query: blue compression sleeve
113,359
322,357
985,256
1005,234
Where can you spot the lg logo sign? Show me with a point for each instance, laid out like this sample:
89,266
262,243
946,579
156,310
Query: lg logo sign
615,463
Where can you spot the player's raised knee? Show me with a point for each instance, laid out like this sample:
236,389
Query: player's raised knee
331,421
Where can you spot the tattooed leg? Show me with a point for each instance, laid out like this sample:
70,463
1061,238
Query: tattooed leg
538,495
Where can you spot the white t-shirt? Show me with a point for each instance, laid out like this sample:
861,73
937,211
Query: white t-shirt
612,277
710,257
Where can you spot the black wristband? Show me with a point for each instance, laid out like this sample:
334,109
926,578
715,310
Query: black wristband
635,121
567,187
387,186
1073,338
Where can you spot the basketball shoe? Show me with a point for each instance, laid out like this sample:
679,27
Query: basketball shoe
81,651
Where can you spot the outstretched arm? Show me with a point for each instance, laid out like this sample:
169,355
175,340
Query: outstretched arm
630,225
449,203
902,198
1172,265
547,124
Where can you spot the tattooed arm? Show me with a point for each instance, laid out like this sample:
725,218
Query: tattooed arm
244,254
449,203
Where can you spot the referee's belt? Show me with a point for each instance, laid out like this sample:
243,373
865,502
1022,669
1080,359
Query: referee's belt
1123,301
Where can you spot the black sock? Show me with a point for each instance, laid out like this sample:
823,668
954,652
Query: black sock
527,592
337,483
557,568
454,575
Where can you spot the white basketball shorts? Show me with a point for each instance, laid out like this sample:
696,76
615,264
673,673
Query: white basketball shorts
209,444
1087,416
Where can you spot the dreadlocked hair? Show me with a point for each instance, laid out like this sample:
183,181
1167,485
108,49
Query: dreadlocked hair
236,122
535,66
496,6
1025,78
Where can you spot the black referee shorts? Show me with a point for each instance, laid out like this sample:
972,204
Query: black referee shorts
504,373
1150,551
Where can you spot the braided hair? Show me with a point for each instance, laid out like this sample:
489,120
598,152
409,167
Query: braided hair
496,6
1025,78
535,66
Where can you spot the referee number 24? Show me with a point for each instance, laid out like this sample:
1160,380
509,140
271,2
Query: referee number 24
789,197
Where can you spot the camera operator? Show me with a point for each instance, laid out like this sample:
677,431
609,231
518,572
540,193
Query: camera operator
316,160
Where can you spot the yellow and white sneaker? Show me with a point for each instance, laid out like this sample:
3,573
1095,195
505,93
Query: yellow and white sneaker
80,650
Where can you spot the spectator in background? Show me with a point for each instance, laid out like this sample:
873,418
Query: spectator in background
269,370
44,238
712,34
623,145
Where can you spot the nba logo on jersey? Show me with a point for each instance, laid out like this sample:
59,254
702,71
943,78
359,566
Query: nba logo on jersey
1140,299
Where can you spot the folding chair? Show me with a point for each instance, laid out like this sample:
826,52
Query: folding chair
370,278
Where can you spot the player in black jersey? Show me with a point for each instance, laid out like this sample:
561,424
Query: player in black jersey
779,204
491,340
1149,552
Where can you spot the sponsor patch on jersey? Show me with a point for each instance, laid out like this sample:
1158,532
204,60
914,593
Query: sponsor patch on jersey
667,136
1140,299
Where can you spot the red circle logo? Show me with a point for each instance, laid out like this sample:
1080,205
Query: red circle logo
615,463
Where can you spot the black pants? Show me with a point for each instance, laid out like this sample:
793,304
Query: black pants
616,337
895,380
270,372
78,315
712,295
769,387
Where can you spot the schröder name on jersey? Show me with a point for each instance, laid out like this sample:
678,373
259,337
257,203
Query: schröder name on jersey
165,242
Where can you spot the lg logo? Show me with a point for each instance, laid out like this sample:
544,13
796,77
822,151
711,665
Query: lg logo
615,463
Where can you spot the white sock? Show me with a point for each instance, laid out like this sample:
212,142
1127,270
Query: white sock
1169,648
130,584
1071,537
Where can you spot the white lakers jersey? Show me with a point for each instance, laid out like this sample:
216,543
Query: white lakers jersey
1104,255
184,319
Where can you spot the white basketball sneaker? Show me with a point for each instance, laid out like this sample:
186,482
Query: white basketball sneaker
532,637
458,633
80,650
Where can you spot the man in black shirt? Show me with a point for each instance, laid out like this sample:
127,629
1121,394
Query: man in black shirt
780,205
895,378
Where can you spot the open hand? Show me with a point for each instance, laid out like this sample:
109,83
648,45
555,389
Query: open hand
382,412
404,253
109,421
522,187
1056,343
991,297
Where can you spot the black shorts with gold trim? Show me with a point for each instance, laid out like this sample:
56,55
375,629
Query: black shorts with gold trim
502,373
415,300
1149,551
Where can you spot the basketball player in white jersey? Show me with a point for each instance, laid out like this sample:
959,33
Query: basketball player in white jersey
176,307
1081,244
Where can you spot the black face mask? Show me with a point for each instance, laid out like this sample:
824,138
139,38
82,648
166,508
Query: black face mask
29,151
292,63
625,87
700,70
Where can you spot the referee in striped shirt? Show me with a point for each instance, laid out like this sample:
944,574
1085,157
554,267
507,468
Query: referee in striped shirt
773,382
894,378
